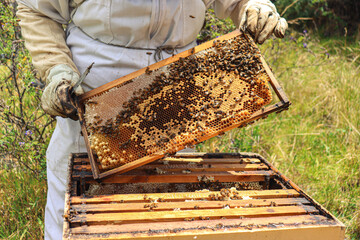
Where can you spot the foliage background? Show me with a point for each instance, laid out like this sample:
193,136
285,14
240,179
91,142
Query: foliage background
315,143
328,17
24,134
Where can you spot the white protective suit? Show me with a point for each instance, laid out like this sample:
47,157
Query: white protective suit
116,35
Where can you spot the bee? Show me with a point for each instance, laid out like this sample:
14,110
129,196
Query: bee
217,103
92,102
148,71
205,83
237,99
218,115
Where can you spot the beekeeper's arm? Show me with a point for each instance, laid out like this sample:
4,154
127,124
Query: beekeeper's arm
259,17
41,26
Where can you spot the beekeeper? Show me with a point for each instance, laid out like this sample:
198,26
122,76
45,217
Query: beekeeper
117,35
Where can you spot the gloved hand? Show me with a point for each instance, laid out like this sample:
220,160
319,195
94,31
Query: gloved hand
261,19
57,99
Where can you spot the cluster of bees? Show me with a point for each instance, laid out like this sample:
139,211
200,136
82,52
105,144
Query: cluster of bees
151,206
225,195
188,101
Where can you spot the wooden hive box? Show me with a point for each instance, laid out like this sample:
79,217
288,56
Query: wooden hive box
194,196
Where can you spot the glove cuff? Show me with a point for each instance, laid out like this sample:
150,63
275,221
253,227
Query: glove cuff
49,100
63,73
56,99
239,16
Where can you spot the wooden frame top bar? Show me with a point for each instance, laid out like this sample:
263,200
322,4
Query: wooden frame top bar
157,65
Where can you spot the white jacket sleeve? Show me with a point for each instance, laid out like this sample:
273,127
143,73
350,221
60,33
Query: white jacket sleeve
57,10
223,8
41,26
227,8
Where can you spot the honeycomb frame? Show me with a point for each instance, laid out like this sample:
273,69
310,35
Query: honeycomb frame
246,105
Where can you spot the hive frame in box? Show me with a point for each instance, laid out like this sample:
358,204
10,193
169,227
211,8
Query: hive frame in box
278,211
283,104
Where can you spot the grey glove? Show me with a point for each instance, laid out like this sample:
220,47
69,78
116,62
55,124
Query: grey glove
57,99
261,19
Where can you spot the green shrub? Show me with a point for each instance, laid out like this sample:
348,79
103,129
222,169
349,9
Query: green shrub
331,17
25,128
24,134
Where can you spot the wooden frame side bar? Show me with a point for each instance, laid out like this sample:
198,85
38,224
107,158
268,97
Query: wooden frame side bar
94,166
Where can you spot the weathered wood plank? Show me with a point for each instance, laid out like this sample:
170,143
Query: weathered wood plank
165,206
180,196
190,167
212,160
196,214
305,232
183,177
235,159
195,226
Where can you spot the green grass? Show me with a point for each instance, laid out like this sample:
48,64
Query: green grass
22,205
316,142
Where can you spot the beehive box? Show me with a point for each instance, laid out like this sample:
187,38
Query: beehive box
194,196
176,103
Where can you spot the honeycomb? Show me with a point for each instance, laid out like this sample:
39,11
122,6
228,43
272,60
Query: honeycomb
179,104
